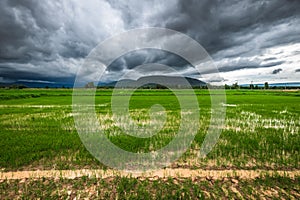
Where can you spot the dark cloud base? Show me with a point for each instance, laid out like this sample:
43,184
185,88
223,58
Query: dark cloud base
141,57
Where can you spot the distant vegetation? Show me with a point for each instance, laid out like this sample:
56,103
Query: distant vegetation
265,86
14,86
149,82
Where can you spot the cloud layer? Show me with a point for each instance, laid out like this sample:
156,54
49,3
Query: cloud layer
249,40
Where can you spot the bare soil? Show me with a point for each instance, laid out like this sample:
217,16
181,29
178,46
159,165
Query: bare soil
176,173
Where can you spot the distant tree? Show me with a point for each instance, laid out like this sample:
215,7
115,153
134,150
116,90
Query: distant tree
46,87
235,86
227,86
17,86
256,87
158,86
22,86
89,85
266,85
251,86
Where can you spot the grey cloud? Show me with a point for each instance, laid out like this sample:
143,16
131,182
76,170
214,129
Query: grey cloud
276,71
25,27
271,58
48,34
38,37
217,24
297,70
21,75
246,64
148,56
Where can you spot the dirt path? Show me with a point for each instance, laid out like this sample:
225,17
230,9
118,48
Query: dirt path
179,173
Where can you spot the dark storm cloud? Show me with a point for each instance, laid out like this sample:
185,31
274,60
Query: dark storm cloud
297,70
42,30
276,71
23,32
249,66
16,74
222,24
231,29
53,36
146,56
43,40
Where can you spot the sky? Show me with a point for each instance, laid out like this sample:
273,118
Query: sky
249,40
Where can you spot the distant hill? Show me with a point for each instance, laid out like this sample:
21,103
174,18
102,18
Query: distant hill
36,84
152,82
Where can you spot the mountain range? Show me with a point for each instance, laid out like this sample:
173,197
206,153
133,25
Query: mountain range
157,81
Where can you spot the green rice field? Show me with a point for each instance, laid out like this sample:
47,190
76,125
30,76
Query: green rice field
261,132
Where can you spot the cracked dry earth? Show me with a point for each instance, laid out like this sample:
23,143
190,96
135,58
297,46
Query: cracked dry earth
169,183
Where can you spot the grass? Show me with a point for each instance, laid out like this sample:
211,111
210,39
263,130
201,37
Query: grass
261,132
150,188
37,129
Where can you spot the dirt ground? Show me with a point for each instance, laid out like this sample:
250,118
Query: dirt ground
178,173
